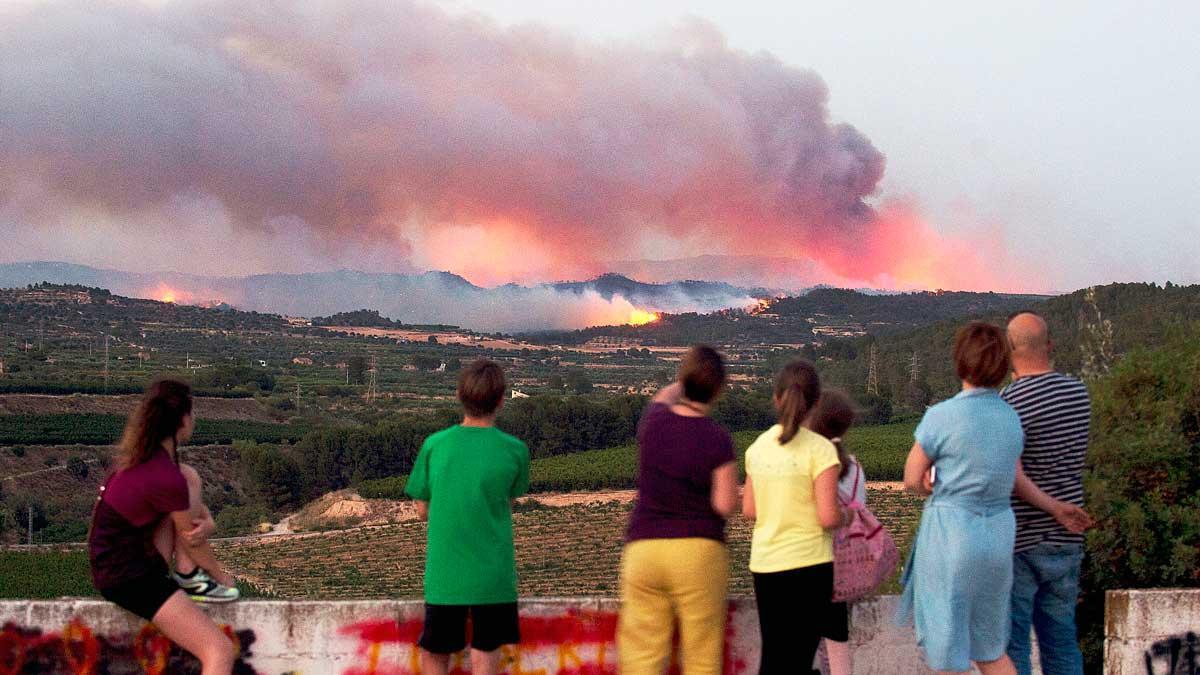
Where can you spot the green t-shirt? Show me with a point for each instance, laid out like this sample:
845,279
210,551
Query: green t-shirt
469,475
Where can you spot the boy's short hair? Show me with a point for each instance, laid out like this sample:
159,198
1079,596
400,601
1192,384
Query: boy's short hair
481,387
702,374
982,356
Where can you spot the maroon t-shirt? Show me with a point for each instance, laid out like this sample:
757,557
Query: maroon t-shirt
131,505
676,459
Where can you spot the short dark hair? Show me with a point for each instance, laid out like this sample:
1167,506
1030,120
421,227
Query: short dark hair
702,374
982,356
481,387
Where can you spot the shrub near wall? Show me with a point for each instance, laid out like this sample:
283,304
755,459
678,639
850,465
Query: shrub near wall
1143,483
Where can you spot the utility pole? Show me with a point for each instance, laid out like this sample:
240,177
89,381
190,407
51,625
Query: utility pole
873,373
914,368
30,524
297,397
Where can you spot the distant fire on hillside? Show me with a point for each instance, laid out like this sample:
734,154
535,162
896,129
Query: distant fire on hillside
641,317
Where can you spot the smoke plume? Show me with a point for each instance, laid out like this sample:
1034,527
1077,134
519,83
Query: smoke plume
401,134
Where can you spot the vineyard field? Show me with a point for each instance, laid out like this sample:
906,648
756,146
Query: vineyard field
102,429
881,449
561,551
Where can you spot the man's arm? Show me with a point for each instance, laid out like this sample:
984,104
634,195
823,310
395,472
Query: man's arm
422,509
1072,517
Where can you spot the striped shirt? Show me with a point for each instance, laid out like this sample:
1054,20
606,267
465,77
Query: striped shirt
1055,413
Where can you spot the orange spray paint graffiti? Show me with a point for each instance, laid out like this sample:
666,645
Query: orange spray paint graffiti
78,650
578,642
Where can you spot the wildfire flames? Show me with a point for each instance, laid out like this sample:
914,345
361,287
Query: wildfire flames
641,317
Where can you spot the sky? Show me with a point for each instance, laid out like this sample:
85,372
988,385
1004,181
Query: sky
1007,146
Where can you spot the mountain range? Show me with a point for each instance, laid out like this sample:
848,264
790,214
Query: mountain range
429,297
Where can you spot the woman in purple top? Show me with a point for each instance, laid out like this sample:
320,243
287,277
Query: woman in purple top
142,510
674,568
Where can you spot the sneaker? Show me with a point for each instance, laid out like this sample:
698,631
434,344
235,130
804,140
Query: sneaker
202,588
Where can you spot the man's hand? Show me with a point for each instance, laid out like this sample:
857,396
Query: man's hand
1074,518
202,529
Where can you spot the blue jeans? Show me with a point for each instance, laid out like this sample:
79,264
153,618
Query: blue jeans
1044,594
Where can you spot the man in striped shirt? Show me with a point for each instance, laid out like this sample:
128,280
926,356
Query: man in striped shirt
1055,413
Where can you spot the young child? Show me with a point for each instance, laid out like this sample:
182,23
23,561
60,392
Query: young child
832,418
464,480
791,493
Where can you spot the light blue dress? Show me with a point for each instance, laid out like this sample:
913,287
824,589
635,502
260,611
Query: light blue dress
958,580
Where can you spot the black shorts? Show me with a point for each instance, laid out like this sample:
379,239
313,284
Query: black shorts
143,596
445,630
801,599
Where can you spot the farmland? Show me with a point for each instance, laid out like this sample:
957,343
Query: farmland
881,449
568,550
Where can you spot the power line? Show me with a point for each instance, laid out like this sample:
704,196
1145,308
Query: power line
873,373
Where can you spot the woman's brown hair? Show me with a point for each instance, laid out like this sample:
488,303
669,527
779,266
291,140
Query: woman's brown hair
982,356
702,374
157,418
797,389
832,417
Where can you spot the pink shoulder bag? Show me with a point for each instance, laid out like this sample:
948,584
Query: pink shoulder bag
864,554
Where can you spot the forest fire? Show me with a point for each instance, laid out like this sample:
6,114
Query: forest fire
164,293
641,317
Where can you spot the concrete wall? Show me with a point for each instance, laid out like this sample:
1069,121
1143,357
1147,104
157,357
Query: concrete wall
1152,632
562,637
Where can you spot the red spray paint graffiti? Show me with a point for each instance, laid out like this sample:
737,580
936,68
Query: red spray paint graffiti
575,643
78,650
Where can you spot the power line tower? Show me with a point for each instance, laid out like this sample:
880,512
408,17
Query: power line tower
873,373
372,383
297,397
914,369
106,363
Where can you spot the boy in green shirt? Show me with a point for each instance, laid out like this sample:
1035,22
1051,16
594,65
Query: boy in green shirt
464,480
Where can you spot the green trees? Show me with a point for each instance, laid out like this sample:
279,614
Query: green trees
356,369
1143,483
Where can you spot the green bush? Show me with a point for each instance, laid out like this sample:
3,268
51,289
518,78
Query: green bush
384,488
1143,482
236,521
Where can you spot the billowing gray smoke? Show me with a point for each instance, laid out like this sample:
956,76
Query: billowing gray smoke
360,123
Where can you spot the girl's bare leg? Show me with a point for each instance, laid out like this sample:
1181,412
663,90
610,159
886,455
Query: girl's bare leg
840,662
185,625
187,556
1001,666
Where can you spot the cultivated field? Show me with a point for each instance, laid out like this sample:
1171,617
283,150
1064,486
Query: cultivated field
569,550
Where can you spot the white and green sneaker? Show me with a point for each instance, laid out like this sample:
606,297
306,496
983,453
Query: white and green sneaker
202,588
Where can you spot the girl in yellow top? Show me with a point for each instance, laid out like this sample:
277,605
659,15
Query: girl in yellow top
791,493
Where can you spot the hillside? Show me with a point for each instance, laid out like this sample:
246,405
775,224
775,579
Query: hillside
820,314
1091,329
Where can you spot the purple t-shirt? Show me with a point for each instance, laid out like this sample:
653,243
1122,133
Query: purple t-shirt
676,459
129,509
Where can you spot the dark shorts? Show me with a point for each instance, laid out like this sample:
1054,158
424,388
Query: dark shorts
143,596
796,610
445,630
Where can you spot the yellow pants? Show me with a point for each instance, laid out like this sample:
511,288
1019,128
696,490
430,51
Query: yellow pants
669,582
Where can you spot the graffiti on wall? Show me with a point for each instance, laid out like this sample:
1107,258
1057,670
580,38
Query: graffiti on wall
1176,655
78,650
570,642
576,642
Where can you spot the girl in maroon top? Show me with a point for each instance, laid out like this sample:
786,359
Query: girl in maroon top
145,513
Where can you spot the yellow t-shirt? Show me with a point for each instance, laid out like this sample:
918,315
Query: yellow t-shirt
787,534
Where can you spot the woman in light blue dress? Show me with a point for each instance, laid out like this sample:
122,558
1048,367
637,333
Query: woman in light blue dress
958,580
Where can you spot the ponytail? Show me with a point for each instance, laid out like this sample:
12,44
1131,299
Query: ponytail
797,390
